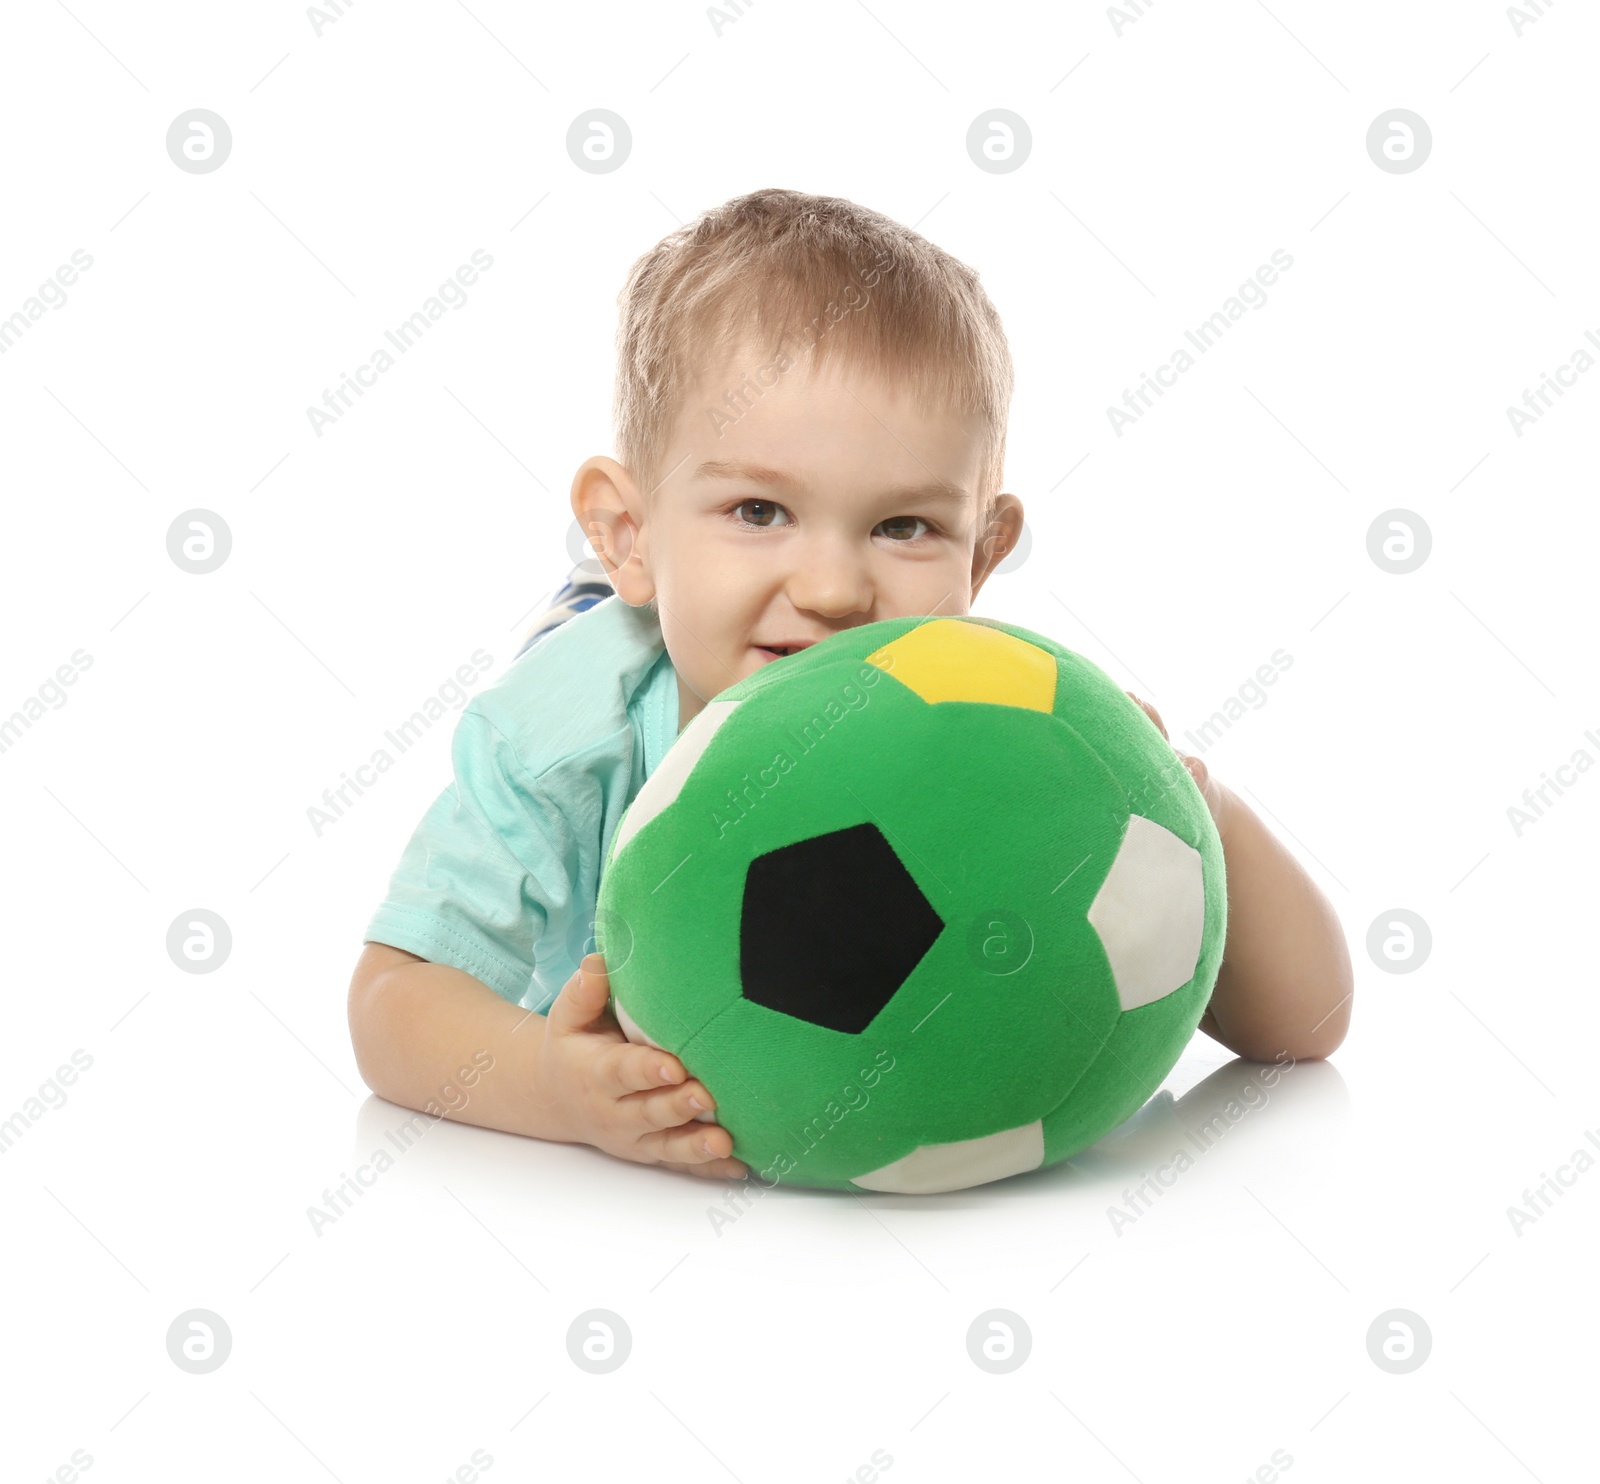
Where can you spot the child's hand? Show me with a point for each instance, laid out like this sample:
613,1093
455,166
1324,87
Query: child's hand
632,1101
1210,789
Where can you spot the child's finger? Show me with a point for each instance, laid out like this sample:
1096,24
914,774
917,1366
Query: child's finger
1151,712
629,1068
670,1107
694,1144
712,1169
583,997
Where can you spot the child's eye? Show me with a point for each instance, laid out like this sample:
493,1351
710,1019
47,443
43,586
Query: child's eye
765,509
761,524
898,519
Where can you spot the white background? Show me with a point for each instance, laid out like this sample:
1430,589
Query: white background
1168,162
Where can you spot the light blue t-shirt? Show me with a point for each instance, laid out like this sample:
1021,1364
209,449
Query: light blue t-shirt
501,877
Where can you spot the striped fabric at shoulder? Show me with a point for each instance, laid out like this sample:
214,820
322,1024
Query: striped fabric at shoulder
583,588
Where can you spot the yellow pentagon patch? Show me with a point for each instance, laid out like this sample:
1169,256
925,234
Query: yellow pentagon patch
947,659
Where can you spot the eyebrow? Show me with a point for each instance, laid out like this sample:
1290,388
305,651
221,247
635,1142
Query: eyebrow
760,474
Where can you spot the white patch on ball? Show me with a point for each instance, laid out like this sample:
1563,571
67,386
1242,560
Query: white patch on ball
932,1168
666,783
631,1027
635,1033
1151,913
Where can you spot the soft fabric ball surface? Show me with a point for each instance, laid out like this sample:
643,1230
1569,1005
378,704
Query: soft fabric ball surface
926,905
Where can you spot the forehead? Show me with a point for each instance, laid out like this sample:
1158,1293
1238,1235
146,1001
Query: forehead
749,419
789,482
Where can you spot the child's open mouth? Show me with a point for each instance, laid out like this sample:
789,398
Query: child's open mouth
778,651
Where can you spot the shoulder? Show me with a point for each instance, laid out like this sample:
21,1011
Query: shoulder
581,686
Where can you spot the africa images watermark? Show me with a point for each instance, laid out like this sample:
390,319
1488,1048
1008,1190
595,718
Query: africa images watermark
737,400
1523,16
1249,693
52,1094
1156,1184
336,801
804,738
1251,294
50,693
336,1202
721,17
452,292
1538,799
1538,1201
1539,400
327,14
807,1137
1121,18
51,294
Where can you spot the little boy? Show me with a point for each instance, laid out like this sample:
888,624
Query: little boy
810,412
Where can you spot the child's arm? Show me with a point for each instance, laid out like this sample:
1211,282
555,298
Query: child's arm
421,1030
1285,984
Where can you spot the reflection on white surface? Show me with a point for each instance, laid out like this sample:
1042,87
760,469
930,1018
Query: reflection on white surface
1206,1113
1248,1107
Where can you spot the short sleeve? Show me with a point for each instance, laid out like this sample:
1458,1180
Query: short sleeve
486,873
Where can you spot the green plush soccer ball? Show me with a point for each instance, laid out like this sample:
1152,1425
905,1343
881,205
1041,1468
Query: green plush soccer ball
925,905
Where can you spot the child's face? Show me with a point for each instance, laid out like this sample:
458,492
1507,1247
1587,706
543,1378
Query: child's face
826,502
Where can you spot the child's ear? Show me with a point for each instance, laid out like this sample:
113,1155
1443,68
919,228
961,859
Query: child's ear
610,513
998,540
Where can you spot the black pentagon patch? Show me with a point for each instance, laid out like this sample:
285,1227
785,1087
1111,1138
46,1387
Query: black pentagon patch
831,927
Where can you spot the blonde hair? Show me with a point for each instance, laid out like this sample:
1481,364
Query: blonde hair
777,267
